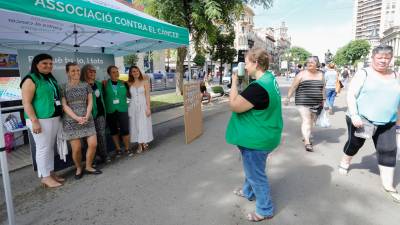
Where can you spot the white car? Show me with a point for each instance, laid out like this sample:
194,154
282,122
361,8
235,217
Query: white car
226,79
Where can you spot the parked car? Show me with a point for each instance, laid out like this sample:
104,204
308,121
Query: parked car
226,79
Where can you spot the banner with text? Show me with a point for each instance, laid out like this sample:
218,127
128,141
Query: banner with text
60,59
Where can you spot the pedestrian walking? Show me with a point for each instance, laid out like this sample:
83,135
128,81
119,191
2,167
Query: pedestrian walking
78,122
116,93
41,99
373,100
310,95
141,127
345,76
331,80
255,127
88,74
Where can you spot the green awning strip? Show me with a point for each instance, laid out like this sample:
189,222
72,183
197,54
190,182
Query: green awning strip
84,12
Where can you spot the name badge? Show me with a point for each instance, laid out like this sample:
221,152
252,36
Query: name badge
97,93
116,101
58,102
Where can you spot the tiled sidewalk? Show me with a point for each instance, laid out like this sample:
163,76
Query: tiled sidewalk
21,157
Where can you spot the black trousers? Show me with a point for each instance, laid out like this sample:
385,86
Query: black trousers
384,141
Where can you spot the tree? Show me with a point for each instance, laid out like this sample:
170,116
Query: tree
300,54
352,52
130,60
397,61
199,59
356,49
198,16
339,58
224,50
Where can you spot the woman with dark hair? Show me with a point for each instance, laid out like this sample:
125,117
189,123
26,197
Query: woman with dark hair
373,100
116,93
41,99
78,121
310,95
256,128
88,74
141,127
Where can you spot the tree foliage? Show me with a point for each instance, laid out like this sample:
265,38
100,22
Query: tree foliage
352,52
199,59
130,60
224,49
300,54
199,17
397,61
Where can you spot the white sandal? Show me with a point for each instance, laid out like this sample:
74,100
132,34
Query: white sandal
394,194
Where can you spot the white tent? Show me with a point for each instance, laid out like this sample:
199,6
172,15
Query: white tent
91,26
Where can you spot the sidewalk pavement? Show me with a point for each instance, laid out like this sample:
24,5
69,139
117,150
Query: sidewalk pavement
21,156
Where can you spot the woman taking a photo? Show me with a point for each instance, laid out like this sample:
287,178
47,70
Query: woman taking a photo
309,87
88,74
141,127
256,128
78,121
41,99
373,100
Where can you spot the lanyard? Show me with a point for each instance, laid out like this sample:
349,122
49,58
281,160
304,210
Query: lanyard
115,89
54,88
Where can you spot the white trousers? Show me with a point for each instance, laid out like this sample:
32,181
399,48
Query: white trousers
44,143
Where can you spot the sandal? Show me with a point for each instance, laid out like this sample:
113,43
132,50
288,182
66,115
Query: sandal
394,194
254,217
309,148
343,169
239,192
145,147
139,150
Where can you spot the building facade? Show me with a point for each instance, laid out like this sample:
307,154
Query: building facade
392,38
244,33
367,18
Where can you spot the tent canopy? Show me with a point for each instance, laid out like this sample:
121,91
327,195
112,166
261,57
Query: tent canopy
92,26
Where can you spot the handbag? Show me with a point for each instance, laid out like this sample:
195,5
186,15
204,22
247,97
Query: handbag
322,120
367,130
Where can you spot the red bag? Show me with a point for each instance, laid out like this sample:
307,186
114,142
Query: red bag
9,141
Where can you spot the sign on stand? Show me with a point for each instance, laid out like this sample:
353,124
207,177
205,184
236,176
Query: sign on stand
193,115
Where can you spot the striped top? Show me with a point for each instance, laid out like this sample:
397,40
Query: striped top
309,93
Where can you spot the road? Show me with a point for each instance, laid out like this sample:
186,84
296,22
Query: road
176,184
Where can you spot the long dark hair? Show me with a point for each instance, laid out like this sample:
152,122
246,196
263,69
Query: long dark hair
84,71
36,61
131,79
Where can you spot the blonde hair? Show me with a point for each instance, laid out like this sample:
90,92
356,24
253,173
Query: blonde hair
259,56
331,66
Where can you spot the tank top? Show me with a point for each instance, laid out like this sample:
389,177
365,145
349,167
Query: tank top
379,98
309,93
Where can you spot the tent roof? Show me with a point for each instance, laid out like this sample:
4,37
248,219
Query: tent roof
94,26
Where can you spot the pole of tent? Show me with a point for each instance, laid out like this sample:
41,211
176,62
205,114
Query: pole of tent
6,177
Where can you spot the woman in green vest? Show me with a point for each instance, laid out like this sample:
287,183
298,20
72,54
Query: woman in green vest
256,127
116,101
88,74
41,99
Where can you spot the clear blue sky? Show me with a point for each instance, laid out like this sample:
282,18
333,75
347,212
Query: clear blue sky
316,25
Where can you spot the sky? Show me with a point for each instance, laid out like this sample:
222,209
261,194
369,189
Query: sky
315,25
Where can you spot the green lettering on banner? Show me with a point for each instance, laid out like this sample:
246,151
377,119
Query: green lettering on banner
83,12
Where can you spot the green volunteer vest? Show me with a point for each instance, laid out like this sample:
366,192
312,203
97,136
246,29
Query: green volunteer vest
43,100
259,130
100,88
119,94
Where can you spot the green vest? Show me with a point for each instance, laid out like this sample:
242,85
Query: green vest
100,88
259,130
43,100
116,100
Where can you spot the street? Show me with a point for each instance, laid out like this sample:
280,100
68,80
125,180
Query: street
176,184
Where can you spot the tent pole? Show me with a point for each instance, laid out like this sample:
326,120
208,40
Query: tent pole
6,177
189,64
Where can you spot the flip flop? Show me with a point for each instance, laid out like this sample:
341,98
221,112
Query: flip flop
239,192
254,217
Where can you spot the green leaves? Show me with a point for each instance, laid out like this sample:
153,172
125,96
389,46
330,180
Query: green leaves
299,54
353,51
130,60
199,59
